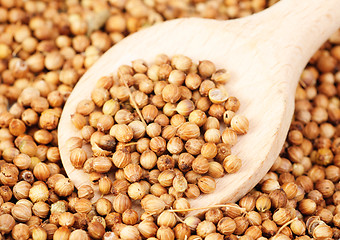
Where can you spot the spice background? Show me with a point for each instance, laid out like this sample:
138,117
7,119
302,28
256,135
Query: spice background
46,46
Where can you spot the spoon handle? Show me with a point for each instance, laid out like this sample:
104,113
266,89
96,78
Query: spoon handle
306,24
295,30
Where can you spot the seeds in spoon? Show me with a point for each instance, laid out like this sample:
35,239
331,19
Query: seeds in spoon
155,123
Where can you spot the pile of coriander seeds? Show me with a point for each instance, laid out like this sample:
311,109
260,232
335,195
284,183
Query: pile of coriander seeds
46,46
157,128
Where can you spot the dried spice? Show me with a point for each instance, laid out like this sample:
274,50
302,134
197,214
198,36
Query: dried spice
46,46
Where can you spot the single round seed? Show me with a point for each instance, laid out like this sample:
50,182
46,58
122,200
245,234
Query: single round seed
218,96
232,164
239,124
206,184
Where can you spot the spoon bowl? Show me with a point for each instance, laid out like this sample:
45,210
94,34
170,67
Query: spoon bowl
265,54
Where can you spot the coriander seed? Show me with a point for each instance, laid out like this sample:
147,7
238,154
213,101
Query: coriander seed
123,133
200,165
204,228
206,184
209,150
152,204
232,164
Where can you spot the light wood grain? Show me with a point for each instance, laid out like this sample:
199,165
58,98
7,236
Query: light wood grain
265,54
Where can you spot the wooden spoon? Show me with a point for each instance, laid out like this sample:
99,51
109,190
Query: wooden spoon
265,54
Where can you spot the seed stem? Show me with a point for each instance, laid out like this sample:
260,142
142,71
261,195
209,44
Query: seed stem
134,103
178,218
285,225
16,50
207,207
130,144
